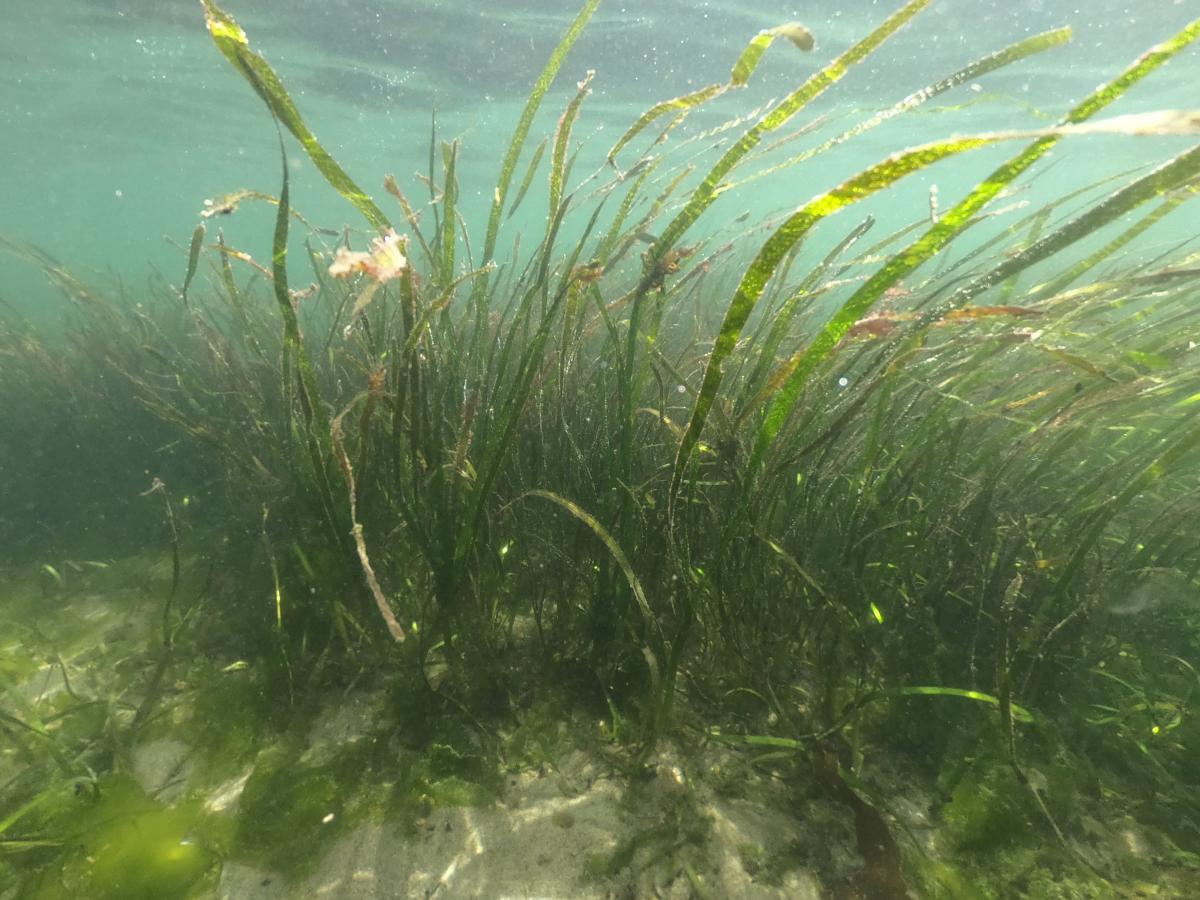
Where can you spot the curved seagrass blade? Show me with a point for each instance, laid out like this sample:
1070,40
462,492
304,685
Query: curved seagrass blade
654,631
193,260
862,185
231,40
553,64
610,543
446,238
562,138
1171,202
782,319
947,228
1165,179
682,104
980,67
530,171
316,420
706,192
739,76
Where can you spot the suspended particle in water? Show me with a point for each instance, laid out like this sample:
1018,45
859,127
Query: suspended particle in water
843,381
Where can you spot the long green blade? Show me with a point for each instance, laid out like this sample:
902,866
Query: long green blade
610,544
1019,713
683,103
530,171
193,260
231,40
449,203
948,227
553,64
1163,180
784,238
562,139
980,67
739,76
706,192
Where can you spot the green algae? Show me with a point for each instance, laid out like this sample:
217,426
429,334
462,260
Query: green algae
544,734
288,813
987,810
935,879
297,801
665,821
227,717
452,777
16,665
754,859
121,845
604,865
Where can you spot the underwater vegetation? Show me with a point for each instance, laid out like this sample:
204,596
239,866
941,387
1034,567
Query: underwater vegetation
918,509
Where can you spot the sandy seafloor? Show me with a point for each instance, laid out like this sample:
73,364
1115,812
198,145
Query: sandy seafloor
704,821
703,808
